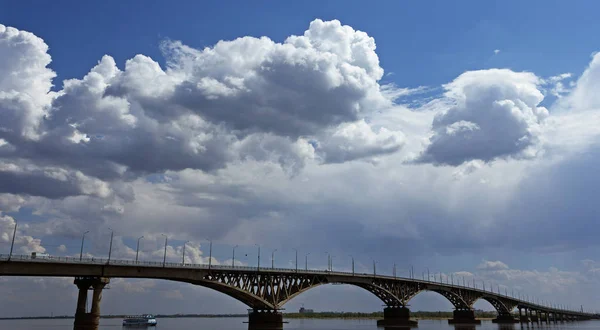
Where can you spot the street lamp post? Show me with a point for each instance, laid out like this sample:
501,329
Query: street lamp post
428,278
233,257
352,264
183,256
306,261
374,269
209,252
81,251
165,254
273,259
394,271
296,259
112,232
137,249
258,263
13,241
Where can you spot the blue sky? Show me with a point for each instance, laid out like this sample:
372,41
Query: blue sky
423,43
465,142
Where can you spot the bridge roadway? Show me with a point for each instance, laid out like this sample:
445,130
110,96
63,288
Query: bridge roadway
266,290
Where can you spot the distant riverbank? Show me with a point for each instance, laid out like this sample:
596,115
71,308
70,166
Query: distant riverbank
315,315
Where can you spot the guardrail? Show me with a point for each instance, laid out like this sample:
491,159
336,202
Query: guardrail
158,264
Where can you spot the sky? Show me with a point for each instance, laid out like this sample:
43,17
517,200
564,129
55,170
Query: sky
459,138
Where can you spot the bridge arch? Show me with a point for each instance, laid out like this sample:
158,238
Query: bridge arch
382,293
502,306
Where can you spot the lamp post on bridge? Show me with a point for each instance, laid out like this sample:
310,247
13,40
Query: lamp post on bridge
306,261
209,252
428,278
352,263
258,263
374,268
13,241
394,271
112,232
273,259
81,251
165,254
328,260
233,257
183,256
296,250
137,249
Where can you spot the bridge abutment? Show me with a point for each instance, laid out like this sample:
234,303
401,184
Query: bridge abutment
88,320
464,316
396,316
265,320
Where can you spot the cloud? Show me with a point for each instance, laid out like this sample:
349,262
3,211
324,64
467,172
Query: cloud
492,265
496,115
23,244
25,82
583,96
358,141
496,51
325,77
467,168
248,98
393,92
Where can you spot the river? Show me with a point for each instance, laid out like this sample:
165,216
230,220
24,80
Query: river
294,324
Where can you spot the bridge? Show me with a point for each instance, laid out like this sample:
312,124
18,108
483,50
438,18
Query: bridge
266,290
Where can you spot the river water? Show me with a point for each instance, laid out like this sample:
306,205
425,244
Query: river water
294,324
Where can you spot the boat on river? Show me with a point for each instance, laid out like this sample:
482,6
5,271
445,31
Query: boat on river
146,320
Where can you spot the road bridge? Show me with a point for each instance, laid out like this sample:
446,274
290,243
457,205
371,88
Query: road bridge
267,290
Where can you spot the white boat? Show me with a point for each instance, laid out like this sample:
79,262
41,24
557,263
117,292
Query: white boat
146,320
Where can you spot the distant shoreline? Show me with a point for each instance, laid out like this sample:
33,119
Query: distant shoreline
316,315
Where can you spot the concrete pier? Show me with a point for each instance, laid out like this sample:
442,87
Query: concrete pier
466,316
265,320
396,317
505,319
88,320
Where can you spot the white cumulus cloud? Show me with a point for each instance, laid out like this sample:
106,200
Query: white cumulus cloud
496,115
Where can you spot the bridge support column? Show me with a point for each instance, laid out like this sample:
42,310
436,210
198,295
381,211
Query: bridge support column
464,316
523,318
83,319
265,320
396,316
533,317
505,319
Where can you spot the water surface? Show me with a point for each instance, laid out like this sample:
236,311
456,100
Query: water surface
294,324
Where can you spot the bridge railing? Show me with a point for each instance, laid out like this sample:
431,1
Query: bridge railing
118,262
